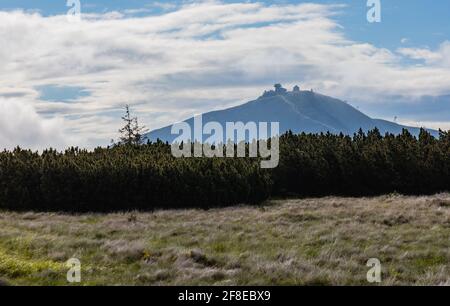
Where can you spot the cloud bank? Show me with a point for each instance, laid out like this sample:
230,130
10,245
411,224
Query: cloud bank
20,124
194,58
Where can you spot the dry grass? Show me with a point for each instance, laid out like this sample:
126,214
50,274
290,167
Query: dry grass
287,242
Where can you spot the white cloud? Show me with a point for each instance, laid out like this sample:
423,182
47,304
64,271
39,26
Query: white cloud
439,57
201,56
20,125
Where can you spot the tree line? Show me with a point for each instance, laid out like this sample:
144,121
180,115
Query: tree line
130,176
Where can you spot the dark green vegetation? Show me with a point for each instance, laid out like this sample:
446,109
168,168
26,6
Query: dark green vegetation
146,177
318,165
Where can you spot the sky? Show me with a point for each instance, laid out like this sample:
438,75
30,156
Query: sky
64,81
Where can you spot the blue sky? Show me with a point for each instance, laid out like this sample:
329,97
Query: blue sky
171,59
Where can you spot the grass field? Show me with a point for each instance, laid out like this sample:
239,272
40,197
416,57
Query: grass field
323,241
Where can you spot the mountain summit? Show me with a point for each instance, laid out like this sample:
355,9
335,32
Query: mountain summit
298,111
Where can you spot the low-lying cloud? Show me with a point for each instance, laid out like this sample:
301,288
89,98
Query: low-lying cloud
21,125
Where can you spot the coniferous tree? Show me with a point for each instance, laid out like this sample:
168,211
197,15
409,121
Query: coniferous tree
131,132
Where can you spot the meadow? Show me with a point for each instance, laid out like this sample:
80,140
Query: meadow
311,241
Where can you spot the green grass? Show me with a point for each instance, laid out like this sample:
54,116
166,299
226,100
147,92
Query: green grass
16,266
323,241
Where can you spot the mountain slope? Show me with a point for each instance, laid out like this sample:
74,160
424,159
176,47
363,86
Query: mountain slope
298,111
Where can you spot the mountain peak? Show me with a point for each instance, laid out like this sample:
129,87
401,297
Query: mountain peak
297,111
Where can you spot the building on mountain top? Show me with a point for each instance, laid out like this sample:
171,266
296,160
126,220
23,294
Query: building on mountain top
279,89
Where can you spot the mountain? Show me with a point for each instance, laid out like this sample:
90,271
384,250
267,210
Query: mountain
298,111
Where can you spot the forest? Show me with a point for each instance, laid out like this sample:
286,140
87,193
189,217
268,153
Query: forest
130,176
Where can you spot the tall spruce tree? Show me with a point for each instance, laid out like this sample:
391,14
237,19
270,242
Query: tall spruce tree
131,132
